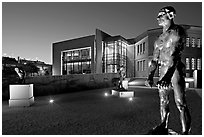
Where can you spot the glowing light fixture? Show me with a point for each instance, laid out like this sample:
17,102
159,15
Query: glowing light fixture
130,99
106,94
189,79
51,101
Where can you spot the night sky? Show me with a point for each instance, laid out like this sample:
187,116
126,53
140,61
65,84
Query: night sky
29,29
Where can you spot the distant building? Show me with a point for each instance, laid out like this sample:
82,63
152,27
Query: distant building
9,62
142,46
103,53
44,69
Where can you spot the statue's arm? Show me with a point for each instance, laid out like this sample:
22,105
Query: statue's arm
153,65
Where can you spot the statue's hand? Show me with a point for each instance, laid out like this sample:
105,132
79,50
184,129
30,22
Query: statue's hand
149,82
164,83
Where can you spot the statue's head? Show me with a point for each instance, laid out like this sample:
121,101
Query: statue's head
166,15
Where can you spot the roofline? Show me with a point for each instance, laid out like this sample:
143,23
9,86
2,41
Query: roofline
144,34
191,25
178,24
73,39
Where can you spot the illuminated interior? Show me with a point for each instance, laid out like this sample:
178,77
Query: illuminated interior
114,55
77,61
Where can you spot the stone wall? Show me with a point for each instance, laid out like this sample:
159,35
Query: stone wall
47,85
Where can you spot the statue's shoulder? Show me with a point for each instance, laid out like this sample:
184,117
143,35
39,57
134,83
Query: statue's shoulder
179,29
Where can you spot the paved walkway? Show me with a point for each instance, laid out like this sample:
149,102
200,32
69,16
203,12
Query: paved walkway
91,113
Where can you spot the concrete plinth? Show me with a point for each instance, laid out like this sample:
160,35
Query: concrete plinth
21,95
21,102
123,93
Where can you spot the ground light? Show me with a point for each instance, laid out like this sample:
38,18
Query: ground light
130,99
51,101
106,94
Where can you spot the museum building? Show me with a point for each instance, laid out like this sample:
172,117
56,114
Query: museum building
103,53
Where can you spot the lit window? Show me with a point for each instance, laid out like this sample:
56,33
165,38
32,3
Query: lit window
193,63
199,42
187,41
73,61
187,64
159,70
114,56
193,42
199,64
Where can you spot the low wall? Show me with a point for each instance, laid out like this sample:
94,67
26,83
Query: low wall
140,81
46,85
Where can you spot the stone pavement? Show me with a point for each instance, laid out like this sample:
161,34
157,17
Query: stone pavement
91,113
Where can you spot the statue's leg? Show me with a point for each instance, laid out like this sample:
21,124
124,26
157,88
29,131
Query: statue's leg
164,106
178,83
121,83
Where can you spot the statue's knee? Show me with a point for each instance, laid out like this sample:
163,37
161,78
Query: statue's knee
164,101
180,105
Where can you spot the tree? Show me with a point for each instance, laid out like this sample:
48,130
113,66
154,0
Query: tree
30,68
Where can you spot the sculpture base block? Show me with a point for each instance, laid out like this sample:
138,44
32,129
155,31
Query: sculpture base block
23,91
123,93
21,95
21,102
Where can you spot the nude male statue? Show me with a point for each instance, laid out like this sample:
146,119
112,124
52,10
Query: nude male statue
167,53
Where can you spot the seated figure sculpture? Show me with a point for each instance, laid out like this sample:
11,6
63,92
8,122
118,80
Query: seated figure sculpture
21,75
122,75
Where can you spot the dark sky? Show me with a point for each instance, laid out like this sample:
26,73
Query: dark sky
29,29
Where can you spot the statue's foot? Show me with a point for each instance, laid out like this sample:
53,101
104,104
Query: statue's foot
186,132
171,132
159,130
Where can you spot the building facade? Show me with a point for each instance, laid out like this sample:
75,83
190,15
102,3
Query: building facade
103,53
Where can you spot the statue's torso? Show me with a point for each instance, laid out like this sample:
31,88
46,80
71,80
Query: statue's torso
166,45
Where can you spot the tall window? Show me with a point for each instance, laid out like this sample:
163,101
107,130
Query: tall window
141,66
138,66
143,47
199,64
187,64
193,63
144,66
77,61
187,41
193,42
199,42
138,49
114,56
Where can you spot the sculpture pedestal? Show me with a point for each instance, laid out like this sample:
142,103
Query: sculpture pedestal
122,93
21,95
